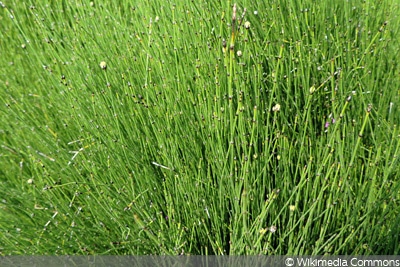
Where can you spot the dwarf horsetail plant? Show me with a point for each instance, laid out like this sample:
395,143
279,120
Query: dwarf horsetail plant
203,127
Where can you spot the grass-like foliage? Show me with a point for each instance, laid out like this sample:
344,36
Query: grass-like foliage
199,127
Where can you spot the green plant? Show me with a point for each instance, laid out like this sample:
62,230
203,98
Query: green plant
199,128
